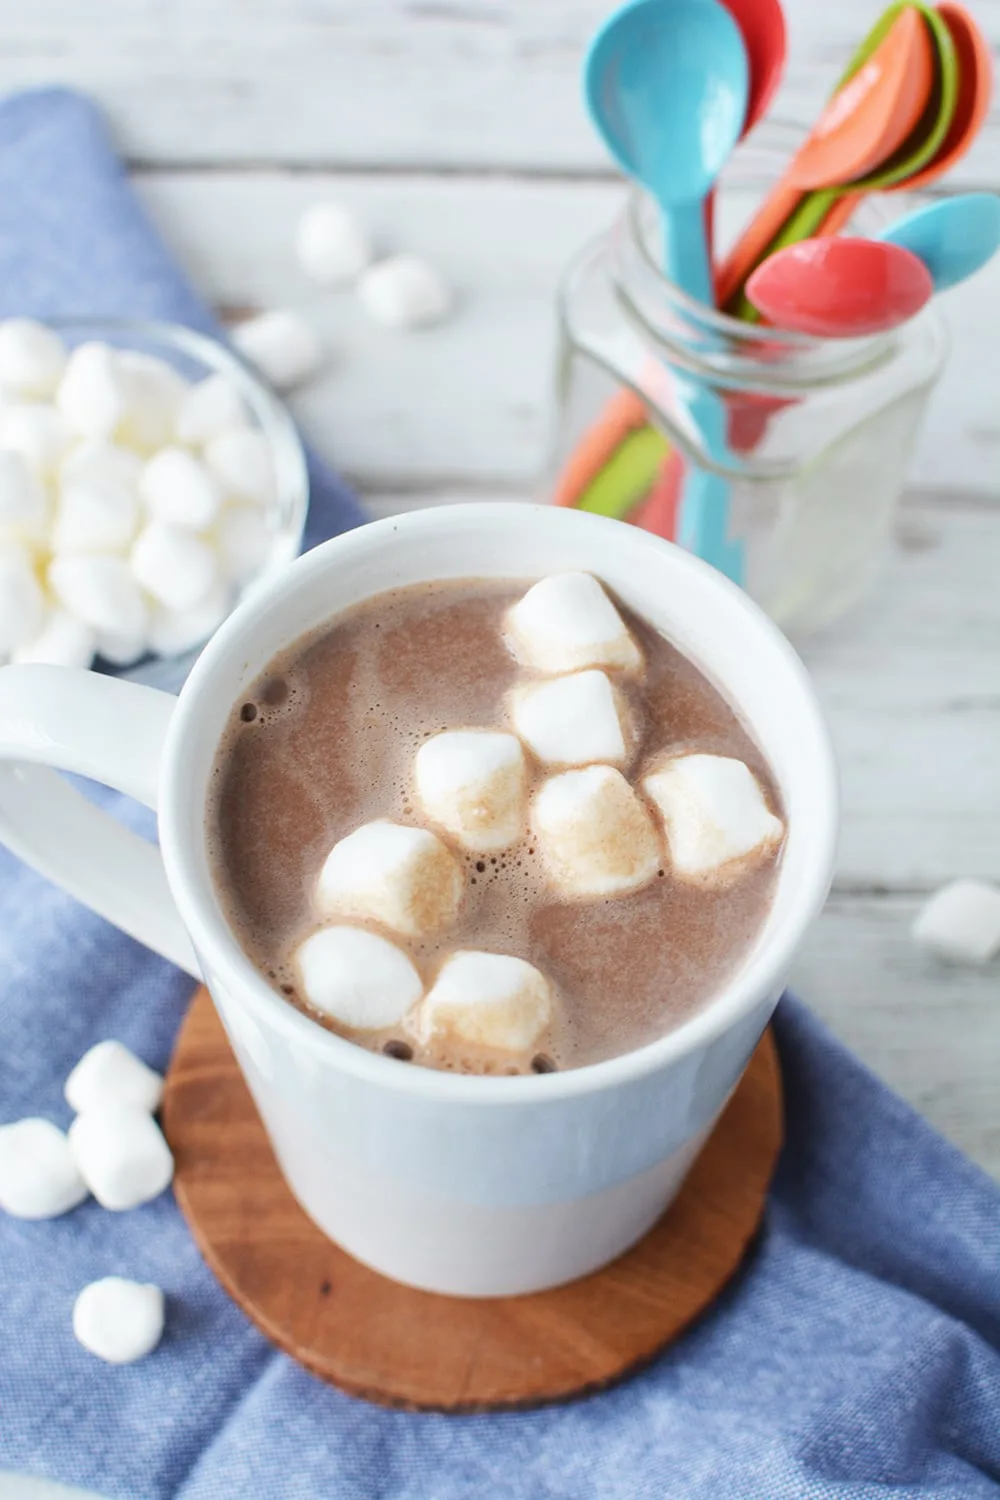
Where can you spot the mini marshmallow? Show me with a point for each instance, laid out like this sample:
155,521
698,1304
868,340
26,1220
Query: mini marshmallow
38,1176
281,345
594,835
120,1321
402,877
94,517
244,542
566,622
23,501
242,463
961,922
174,631
37,432
212,406
32,357
22,603
92,394
177,568
121,1155
332,244
572,721
473,782
487,999
101,591
102,463
178,488
109,1075
63,641
713,811
153,391
361,980
119,649
404,292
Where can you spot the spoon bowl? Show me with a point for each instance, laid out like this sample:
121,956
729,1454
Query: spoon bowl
840,288
954,237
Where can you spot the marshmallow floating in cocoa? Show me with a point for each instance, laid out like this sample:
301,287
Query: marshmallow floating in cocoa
594,834
39,1178
488,1000
713,812
566,622
574,720
357,978
118,1320
472,783
402,877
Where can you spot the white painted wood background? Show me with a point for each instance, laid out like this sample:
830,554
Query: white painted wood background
455,125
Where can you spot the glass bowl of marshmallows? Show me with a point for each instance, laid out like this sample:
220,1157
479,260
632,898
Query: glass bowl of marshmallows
147,482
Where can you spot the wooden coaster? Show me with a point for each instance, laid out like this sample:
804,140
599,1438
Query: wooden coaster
417,1350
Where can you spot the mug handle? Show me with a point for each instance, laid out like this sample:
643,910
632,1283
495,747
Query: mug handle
112,731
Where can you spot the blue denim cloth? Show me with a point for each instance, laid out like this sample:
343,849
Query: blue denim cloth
855,1356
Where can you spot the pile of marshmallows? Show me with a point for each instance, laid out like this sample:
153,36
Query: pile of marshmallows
113,1149
133,504
596,835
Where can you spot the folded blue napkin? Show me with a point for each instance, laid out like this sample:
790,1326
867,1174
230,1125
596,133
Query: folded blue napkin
855,1356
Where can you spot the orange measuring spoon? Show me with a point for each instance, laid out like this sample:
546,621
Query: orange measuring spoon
786,196
975,86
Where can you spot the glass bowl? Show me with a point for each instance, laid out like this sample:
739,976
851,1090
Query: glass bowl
195,356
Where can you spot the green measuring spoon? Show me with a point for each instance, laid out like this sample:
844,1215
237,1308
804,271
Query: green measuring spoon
912,156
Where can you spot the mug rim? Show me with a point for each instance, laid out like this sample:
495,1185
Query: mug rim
212,936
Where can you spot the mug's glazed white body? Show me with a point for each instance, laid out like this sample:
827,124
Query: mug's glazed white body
463,1185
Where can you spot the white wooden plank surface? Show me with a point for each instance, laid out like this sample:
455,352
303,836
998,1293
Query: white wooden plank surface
468,402
455,83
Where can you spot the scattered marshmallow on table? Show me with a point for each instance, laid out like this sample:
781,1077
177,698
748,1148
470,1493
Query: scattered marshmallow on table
177,487
572,721
32,357
961,922
488,999
331,243
594,835
212,406
567,622
281,345
404,292
356,977
22,603
63,641
174,565
122,1155
403,877
109,1075
39,1178
472,782
120,1321
242,462
713,811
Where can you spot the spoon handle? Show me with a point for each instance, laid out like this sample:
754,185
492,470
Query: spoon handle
685,249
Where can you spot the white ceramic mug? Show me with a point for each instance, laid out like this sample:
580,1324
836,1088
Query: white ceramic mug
465,1185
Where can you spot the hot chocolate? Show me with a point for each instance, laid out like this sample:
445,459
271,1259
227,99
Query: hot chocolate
493,830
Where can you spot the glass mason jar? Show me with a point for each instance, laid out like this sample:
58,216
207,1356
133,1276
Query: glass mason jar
810,437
